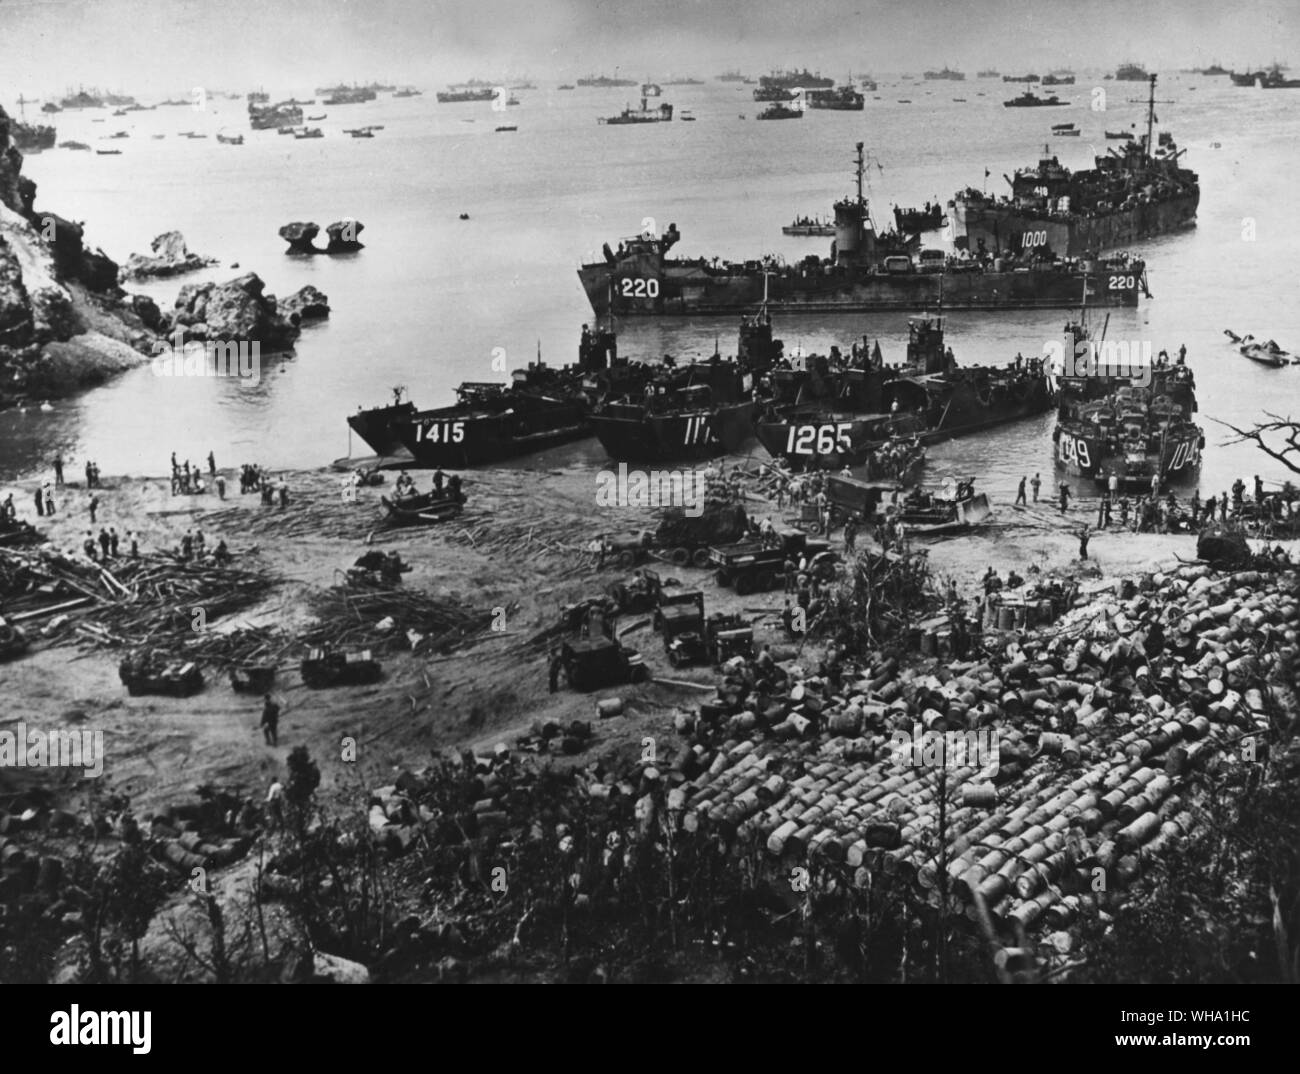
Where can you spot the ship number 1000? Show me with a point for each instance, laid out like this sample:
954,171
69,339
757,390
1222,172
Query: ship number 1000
1033,238
826,438
640,288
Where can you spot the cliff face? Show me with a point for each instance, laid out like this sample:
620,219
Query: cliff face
65,325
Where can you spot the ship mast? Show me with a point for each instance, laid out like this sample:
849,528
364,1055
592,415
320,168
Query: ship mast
859,161
1151,116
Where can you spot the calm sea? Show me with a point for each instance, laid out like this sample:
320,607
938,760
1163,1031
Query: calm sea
432,296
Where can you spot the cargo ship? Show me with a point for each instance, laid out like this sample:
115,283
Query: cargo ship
464,96
1135,191
844,99
804,79
766,94
1273,78
1021,78
1133,422
845,412
867,271
809,226
541,407
946,75
602,81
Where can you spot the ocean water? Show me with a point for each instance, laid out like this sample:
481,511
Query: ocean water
431,298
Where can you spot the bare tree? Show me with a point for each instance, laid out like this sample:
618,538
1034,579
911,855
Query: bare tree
1278,438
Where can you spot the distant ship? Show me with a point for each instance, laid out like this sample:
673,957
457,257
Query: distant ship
566,86
1021,78
603,80
1058,80
777,110
463,96
1136,190
1213,69
1130,72
1029,99
1270,79
263,117
868,83
804,79
29,137
50,108
645,114
809,225
351,95
844,99
946,75
989,73
774,93
409,91
730,76
684,82
867,271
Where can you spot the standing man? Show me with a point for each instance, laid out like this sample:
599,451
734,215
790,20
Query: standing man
1020,493
1182,354
1065,497
1113,484
112,541
1155,483
1259,490
49,499
270,721
1083,543
212,465
40,502
104,543
221,487
1101,510
1035,483
94,506
58,470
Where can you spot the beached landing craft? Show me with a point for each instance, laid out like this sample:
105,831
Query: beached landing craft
867,271
1132,418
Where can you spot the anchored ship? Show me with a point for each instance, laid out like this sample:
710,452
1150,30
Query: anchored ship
463,96
866,271
809,225
646,114
777,110
844,99
1133,421
946,75
1029,99
804,79
1136,190
603,81
1131,72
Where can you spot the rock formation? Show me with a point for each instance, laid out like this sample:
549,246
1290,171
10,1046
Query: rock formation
64,323
344,237
306,304
170,257
234,311
299,236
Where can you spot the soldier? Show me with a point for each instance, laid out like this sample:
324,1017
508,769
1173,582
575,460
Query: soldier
1020,493
94,506
212,465
1065,497
40,503
49,499
270,721
1083,543
58,470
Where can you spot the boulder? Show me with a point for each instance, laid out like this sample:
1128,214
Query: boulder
234,311
299,236
345,236
147,310
170,257
306,304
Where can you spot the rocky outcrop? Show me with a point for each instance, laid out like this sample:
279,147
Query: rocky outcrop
307,304
300,237
235,311
170,257
344,237
64,323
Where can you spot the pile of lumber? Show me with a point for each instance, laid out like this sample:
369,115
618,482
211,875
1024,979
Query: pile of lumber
393,618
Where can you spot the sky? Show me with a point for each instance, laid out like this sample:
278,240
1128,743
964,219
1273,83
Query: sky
166,46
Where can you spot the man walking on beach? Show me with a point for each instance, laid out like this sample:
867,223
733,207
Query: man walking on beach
270,721
1034,484
1020,493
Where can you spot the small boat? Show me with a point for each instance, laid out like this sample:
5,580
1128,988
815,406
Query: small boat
566,86
686,117
904,102
230,139
309,132
360,132
464,216
1260,352
317,119
1066,134
513,100
157,137
1119,136
507,127
959,100
424,507
1062,126
109,152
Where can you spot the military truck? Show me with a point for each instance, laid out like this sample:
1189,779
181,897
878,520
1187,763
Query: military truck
690,638
600,661
753,566
326,667
147,673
